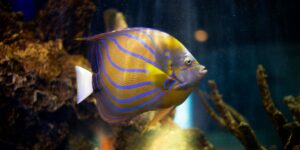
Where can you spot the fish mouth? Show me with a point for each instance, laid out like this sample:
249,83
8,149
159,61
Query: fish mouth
179,81
202,70
184,85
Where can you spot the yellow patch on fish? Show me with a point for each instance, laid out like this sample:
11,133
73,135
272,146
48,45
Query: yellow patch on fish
157,76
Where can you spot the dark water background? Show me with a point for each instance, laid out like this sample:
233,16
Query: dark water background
242,34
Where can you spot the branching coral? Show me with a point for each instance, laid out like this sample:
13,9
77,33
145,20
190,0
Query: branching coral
229,118
287,131
293,104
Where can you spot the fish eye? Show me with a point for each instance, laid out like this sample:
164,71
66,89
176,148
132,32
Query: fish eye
188,61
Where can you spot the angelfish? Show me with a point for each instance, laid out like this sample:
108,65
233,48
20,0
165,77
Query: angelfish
135,70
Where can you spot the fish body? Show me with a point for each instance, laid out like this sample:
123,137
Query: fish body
136,70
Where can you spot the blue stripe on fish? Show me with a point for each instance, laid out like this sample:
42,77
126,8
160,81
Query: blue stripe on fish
128,100
172,84
95,78
132,53
169,83
126,110
148,35
108,113
166,51
121,86
115,65
104,114
93,58
186,68
140,40
154,105
97,55
125,87
142,30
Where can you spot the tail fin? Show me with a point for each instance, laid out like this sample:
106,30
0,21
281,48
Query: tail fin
84,83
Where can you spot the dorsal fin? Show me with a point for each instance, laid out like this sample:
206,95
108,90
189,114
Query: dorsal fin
101,35
97,36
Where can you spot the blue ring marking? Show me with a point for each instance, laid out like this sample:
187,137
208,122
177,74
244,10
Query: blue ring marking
170,85
126,87
186,68
93,58
122,101
94,82
154,106
105,114
125,110
140,40
148,35
141,30
167,51
98,52
108,114
165,83
135,29
97,74
173,74
115,65
97,82
132,53
121,86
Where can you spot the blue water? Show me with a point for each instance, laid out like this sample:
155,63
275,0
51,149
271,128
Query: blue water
242,34
183,113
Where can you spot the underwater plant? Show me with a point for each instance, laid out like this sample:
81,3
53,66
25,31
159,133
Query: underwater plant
237,124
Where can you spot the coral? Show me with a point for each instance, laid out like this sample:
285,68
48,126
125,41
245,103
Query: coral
25,67
70,17
64,20
293,104
287,131
229,118
163,136
11,26
277,117
37,79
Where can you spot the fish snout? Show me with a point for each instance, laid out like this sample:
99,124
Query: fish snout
202,70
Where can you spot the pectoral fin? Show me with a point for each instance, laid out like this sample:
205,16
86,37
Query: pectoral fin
159,115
